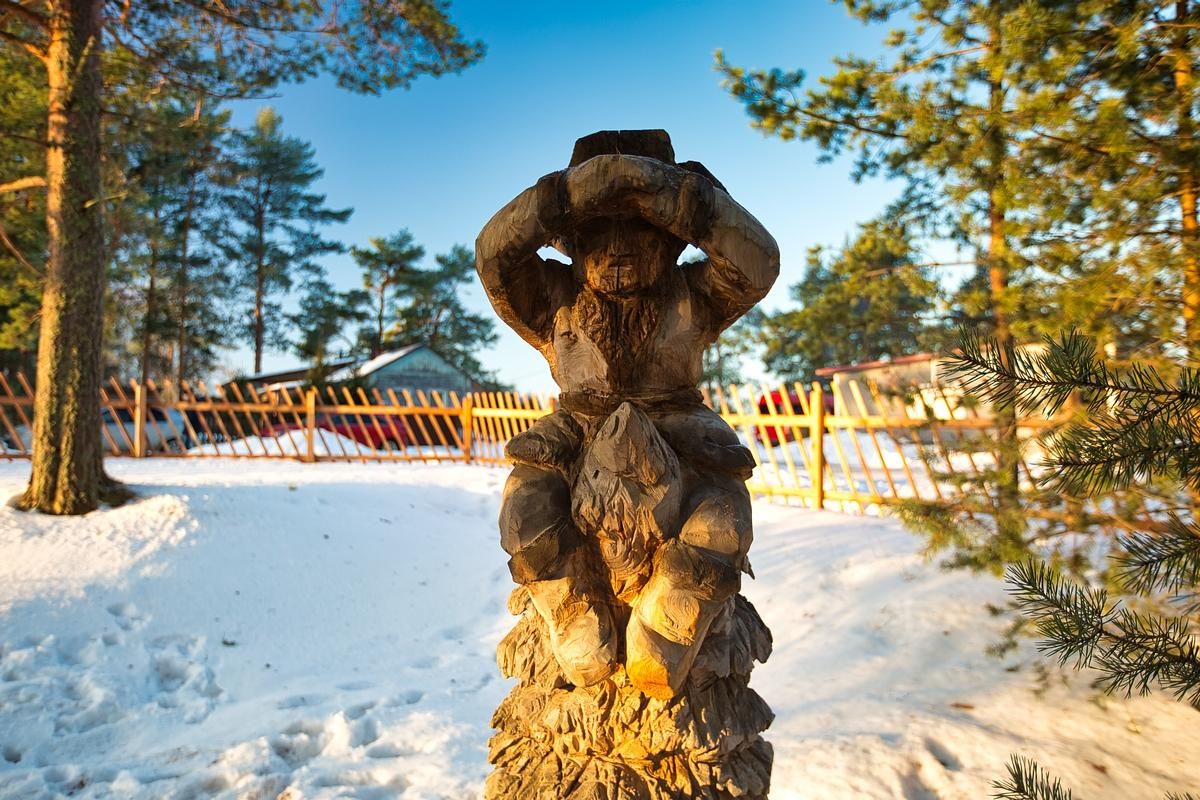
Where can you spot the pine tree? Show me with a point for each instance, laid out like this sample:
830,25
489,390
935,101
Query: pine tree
22,207
937,113
323,315
413,304
200,290
432,311
866,301
725,359
165,280
275,219
223,49
386,265
1110,161
1139,632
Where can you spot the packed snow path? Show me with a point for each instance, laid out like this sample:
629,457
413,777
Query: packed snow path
273,629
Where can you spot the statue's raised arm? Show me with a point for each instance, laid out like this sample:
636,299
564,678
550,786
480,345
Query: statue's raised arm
742,257
525,289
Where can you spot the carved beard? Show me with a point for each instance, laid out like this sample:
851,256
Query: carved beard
621,328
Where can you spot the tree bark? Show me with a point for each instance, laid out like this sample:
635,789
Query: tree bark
151,306
260,286
378,346
67,471
184,283
1189,185
998,272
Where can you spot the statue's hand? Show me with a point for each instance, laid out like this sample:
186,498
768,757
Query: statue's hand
675,199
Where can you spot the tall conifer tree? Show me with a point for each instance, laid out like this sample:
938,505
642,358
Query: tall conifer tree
276,223
386,265
218,49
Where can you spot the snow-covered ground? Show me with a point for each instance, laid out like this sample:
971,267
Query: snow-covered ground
272,629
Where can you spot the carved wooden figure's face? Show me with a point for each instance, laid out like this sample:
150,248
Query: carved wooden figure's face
622,256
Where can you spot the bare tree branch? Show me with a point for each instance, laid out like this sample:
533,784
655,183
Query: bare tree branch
24,44
24,12
16,253
32,182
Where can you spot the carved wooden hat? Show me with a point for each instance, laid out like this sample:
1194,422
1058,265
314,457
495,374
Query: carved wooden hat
653,143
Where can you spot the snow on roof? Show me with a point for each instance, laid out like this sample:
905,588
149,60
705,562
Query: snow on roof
865,365
378,362
278,375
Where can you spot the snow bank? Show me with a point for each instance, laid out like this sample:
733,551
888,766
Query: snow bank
290,444
250,628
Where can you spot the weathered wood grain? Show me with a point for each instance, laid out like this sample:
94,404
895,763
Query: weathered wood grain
626,518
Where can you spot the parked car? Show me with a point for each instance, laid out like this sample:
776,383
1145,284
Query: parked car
165,431
378,433
770,433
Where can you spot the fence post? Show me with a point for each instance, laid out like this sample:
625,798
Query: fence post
139,420
816,438
310,425
468,419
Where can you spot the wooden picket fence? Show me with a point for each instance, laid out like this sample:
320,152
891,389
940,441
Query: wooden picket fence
869,451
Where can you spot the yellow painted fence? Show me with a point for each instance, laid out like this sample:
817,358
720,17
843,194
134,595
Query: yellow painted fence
851,448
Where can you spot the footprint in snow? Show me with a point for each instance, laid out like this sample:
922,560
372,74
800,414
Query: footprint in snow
453,633
943,755
409,698
381,751
181,677
360,710
299,701
127,616
300,742
365,732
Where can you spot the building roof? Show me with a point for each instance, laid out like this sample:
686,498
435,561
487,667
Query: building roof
349,371
916,358
294,373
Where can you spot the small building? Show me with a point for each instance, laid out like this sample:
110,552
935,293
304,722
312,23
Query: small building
920,382
414,367
294,376
868,380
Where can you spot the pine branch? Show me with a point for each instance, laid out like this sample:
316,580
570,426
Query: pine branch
1070,617
1166,562
1043,381
1114,453
1144,650
1028,781
28,15
1133,652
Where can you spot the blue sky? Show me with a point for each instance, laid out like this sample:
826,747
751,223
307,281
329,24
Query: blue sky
443,156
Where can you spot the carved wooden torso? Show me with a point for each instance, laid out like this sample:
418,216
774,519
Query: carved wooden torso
642,345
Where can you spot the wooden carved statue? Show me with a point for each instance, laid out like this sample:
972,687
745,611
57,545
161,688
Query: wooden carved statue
626,516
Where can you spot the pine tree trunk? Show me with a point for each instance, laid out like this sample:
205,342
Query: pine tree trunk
259,324
67,459
151,310
184,287
260,289
1007,446
378,347
1189,185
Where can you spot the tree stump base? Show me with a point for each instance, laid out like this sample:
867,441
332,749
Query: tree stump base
610,741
